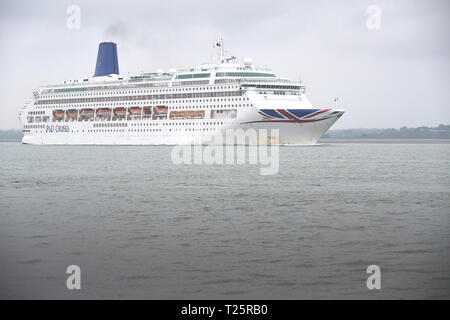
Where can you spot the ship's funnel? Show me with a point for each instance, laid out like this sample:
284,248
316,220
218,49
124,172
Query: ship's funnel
107,62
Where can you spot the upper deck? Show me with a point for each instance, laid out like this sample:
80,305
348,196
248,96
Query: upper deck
225,71
210,76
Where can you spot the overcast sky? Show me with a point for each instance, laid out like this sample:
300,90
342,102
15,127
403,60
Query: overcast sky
397,75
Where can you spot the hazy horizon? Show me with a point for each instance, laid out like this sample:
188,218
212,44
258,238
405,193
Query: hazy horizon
391,77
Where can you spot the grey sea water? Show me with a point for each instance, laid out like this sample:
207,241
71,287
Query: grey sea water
141,227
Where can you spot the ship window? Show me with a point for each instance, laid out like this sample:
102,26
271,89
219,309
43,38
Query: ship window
244,74
192,76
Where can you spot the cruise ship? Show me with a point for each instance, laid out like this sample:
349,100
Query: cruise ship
178,107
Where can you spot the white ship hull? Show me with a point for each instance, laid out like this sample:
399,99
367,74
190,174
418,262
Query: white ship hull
142,132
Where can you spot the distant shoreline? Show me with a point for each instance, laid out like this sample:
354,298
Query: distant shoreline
387,140
439,134
10,140
362,141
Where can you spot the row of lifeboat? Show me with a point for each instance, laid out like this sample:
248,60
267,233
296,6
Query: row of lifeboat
107,113
187,114
134,110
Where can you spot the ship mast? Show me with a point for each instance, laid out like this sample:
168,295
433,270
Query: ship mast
219,44
222,58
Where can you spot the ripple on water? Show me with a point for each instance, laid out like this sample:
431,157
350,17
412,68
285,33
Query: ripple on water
226,232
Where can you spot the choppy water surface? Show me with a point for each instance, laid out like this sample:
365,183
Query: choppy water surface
142,227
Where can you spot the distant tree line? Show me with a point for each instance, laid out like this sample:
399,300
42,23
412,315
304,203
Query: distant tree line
11,135
440,132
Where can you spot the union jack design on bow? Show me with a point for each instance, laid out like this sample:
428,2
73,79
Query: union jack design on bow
293,115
